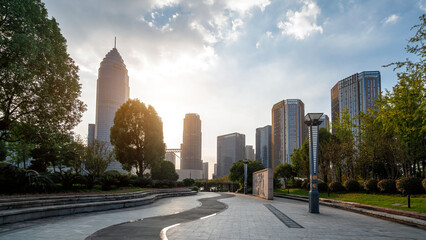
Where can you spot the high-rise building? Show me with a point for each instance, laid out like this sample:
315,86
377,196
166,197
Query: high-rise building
214,171
356,93
288,129
205,170
249,152
325,122
171,157
264,145
91,134
230,149
191,146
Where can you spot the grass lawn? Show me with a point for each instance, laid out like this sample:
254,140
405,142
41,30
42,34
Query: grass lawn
418,202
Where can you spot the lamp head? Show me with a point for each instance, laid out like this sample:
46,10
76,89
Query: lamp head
313,119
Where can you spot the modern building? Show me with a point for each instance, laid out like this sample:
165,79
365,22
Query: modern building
230,149
191,146
288,129
205,170
249,152
214,175
264,145
91,134
112,92
171,157
325,122
355,93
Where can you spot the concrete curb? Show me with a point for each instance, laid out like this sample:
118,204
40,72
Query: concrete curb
23,214
379,212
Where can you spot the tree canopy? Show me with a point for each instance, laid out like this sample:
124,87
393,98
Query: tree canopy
39,85
236,172
164,170
137,136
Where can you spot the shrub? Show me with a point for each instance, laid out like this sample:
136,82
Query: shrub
409,185
352,185
140,182
424,183
371,185
336,187
277,183
109,181
387,185
305,184
187,182
322,187
195,188
163,184
123,180
297,183
38,183
67,179
179,184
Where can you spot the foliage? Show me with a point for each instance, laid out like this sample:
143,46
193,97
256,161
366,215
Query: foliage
387,185
140,182
424,183
284,171
97,158
137,135
336,187
325,153
236,172
371,185
3,151
38,183
352,185
409,185
300,160
296,183
39,84
110,180
195,188
305,184
19,152
187,182
322,187
67,179
164,170
163,183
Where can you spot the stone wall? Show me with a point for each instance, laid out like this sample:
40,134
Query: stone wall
263,183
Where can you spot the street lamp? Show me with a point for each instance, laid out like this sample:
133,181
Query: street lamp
245,175
313,120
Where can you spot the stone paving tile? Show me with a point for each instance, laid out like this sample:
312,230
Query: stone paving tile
80,226
247,218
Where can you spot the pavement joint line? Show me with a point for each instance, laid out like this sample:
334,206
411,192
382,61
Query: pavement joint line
282,217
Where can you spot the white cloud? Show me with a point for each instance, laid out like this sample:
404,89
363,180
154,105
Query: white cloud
392,19
301,24
422,6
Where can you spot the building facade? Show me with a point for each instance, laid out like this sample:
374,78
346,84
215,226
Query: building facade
91,134
230,149
288,129
249,152
355,93
171,157
191,146
205,170
325,122
264,145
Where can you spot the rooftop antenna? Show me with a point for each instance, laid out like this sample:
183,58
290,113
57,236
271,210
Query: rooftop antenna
115,41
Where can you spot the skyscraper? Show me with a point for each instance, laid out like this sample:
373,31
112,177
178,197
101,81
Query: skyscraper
112,92
356,93
91,134
288,129
171,157
205,170
249,152
191,146
230,148
325,122
264,145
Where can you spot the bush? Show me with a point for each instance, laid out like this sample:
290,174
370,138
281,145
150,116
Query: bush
387,185
38,183
123,180
409,185
322,187
305,184
140,182
195,188
336,187
188,182
109,181
179,184
277,183
352,185
67,179
163,184
424,183
371,185
296,183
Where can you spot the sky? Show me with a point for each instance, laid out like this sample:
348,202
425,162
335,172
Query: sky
230,61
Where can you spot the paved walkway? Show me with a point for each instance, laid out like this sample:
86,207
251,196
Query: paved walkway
248,218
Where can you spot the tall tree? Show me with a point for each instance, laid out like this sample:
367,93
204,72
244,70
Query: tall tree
324,153
39,85
97,157
137,136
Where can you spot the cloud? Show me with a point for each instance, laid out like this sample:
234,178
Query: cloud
392,19
422,6
301,24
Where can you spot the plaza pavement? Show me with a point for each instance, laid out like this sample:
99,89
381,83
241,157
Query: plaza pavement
246,217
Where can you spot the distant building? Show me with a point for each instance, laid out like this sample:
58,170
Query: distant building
325,122
264,145
191,146
249,152
205,170
288,129
356,93
171,157
230,148
91,134
112,92
214,171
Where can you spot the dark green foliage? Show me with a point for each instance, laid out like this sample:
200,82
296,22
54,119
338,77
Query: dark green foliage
409,185
37,183
296,183
352,185
195,188
424,183
336,187
3,151
322,187
371,185
188,182
284,171
140,182
180,184
277,183
67,179
110,180
236,172
305,184
387,185
163,184
164,170
123,180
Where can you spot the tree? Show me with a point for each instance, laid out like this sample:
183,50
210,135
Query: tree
3,151
19,153
236,172
300,160
284,171
137,135
97,158
39,85
324,153
164,170
344,129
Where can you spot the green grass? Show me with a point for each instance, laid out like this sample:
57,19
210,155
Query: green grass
418,202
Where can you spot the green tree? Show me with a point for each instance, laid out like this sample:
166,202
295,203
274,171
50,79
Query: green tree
236,172
39,85
3,151
325,154
19,153
164,170
137,135
97,158
300,160
284,171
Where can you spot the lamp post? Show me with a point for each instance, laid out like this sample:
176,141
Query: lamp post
313,121
245,175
